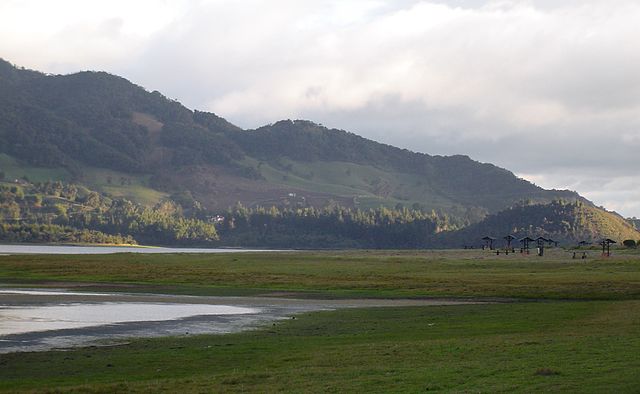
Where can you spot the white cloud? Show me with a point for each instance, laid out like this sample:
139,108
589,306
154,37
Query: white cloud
541,87
67,35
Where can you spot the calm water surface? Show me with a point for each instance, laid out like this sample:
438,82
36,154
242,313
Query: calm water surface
63,249
35,319
42,319
20,320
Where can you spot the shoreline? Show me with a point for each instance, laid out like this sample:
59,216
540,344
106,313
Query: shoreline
89,249
268,310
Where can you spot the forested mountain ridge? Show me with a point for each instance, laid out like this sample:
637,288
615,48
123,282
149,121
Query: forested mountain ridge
100,129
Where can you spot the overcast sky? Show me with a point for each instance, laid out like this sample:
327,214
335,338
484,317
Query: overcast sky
548,89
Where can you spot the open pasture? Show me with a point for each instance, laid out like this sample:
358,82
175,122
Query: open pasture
342,274
561,325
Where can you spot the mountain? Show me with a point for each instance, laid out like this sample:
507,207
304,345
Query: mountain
566,222
100,130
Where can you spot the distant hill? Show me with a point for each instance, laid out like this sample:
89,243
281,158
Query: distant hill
566,222
100,130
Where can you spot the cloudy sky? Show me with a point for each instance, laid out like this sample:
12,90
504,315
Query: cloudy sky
549,89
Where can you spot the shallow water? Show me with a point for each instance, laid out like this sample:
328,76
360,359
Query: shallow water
44,319
49,293
20,320
68,249
41,319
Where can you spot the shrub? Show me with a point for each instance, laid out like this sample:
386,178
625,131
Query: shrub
629,243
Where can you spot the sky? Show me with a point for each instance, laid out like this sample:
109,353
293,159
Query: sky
548,89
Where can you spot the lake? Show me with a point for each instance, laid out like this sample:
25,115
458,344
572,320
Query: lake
69,249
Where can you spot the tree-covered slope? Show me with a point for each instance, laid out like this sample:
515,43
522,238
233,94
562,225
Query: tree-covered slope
93,120
61,213
567,222
457,179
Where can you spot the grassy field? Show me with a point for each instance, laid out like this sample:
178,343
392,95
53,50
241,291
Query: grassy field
534,347
135,189
590,344
474,274
106,181
373,186
14,170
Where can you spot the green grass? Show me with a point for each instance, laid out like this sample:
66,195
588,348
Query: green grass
15,170
96,178
136,189
550,346
530,347
473,274
350,179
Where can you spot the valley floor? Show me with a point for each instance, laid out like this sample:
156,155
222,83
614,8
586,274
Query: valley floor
575,326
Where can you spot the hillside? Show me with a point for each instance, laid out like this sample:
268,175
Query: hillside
100,130
568,223
62,213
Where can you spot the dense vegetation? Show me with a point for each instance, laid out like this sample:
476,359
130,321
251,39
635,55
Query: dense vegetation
52,233
331,227
66,211
563,221
57,212
62,212
96,120
92,127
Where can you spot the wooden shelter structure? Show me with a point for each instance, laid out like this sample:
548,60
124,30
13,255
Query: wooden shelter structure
488,241
509,238
540,242
606,246
525,244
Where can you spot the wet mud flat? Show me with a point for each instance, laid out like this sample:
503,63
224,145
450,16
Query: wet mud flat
37,320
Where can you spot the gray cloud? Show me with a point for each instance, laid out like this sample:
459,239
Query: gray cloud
548,89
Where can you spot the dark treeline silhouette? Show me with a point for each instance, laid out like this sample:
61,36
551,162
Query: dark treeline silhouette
330,227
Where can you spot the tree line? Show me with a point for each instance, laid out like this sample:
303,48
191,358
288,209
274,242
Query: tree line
330,227
69,213
61,212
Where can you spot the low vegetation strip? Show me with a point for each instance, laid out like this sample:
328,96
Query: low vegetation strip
525,347
378,274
